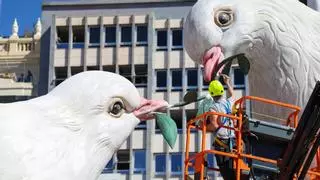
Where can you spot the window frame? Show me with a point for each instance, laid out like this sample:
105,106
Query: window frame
110,44
164,47
191,87
158,88
62,45
177,47
174,88
97,44
139,170
80,44
238,86
127,162
141,43
121,35
157,173
175,173
106,169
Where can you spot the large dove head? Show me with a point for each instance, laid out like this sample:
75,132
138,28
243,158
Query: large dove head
217,29
280,38
103,109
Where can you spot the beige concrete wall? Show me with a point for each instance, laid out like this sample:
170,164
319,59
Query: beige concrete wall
17,56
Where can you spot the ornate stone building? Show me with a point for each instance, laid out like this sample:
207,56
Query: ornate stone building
19,64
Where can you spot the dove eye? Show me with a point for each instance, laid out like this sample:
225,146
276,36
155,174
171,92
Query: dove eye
223,17
116,109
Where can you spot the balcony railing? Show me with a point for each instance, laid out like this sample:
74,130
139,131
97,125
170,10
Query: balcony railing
18,46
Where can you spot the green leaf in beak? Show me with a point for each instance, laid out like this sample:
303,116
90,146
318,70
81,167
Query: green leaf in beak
244,64
167,127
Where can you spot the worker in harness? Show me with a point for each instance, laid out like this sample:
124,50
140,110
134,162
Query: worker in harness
224,139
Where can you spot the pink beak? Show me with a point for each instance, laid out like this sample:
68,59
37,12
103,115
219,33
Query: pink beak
210,61
144,111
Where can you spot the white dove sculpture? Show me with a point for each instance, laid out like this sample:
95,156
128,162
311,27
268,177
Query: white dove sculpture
73,131
281,39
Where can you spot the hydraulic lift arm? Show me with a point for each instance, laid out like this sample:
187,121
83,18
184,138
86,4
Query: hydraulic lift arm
301,149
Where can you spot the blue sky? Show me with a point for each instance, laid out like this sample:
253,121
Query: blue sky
26,12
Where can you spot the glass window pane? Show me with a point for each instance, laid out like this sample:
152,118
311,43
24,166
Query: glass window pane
205,83
76,70
60,74
190,168
110,164
176,115
162,38
123,160
177,37
210,160
160,160
161,79
109,167
177,78
63,34
94,35
78,34
176,163
109,68
111,35
140,160
126,34
238,77
192,77
142,34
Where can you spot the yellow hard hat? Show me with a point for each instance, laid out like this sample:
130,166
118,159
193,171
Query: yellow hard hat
216,88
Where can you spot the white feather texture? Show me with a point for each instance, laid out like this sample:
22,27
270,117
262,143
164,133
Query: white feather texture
280,38
67,134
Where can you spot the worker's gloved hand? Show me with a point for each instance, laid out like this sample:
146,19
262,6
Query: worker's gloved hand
226,79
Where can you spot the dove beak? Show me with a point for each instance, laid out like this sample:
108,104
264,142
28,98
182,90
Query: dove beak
147,107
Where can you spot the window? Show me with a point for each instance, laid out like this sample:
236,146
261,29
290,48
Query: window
160,161
126,35
238,78
78,36
62,37
125,71
205,84
142,35
123,163
141,125
141,78
177,79
191,114
162,39
161,79
110,68
109,167
192,78
93,68
76,70
176,163
210,160
94,37
190,168
61,74
139,161
110,36
177,39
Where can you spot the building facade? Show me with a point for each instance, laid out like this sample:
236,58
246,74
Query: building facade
142,41
19,64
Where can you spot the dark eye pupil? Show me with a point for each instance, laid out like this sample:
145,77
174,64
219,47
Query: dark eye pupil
116,108
224,18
